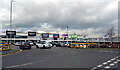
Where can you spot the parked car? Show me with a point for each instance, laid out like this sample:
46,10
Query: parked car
25,45
43,45
31,43
13,43
61,44
18,43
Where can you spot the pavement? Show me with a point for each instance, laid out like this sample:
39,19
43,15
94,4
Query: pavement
58,57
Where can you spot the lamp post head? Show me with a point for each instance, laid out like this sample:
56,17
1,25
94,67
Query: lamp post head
13,1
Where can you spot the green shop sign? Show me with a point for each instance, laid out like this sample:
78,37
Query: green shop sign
74,36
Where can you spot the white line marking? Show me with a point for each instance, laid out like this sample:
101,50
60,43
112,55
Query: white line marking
99,66
106,51
12,66
95,68
18,65
117,52
107,67
113,59
109,61
105,63
112,64
118,60
115,62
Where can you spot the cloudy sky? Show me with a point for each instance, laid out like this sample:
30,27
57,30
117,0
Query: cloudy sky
89,16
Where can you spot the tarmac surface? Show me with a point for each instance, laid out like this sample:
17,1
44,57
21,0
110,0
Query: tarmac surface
58,57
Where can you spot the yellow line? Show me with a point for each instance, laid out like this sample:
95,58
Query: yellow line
11,53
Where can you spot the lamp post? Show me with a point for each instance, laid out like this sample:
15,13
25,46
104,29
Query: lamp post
68,35
11,17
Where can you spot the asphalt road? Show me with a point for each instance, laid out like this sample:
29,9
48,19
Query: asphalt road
57,57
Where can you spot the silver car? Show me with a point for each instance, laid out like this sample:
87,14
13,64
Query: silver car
44,45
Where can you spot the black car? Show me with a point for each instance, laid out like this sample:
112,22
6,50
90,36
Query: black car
56,44
25,45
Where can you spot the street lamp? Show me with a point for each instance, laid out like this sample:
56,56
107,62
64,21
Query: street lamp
11,16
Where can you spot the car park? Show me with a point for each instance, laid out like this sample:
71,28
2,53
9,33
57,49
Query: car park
25,45
43,45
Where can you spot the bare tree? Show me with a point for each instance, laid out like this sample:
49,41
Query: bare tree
111,33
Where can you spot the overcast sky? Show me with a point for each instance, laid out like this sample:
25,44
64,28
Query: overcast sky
90,16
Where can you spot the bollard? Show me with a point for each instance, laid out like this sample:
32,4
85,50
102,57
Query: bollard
90,46
78,45
67,46
117,46
94,46
97,46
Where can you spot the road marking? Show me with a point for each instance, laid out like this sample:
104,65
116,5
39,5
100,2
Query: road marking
117,57
113,59
107,62
107,67
112,64
115,62
99,66
94,68
12,66
118,60
106,51
18,65
25,64
11,53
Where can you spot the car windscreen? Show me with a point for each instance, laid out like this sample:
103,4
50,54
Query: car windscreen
27,43
43,42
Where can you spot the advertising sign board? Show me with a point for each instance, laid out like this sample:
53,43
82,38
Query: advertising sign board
31,33
55,35
74,36
12,33
45,35
65,35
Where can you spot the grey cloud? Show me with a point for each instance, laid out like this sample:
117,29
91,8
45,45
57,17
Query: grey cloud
76,15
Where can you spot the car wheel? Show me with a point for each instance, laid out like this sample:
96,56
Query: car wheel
43,46
49,47
54,45
20,47
30,48
37,46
